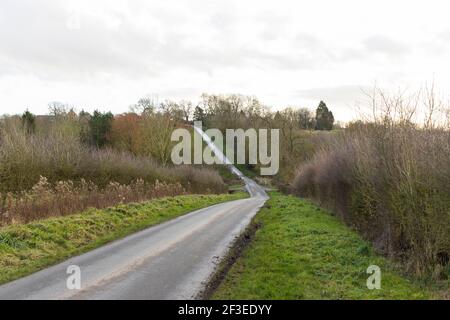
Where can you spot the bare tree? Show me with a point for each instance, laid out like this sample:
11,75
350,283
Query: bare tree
186,108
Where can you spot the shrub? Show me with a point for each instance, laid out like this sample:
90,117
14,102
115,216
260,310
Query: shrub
66,197
100,128
60,156
391,180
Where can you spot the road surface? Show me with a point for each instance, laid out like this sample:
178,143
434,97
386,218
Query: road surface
168,261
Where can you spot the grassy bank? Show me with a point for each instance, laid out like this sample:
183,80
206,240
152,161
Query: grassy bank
29,247
390,181
302,252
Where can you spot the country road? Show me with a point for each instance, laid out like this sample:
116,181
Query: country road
168,261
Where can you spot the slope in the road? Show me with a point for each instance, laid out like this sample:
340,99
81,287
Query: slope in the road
252,187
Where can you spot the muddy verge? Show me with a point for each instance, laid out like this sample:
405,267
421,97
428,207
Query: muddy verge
237,247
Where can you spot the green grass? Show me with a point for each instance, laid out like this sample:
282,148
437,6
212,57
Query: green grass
30,247
302,252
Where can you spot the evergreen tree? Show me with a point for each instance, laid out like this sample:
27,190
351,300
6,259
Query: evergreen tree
29,122
199,114
100,128
324,117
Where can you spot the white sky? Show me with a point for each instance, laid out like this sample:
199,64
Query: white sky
106,54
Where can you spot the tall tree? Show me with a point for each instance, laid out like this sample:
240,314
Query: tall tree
155,136
199,114
145,105
306,119
100,128
58,109
29,122
324,117
186,109
125,132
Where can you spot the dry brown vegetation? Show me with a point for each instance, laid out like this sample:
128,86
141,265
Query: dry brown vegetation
65,197
390,178
50,171
298,137
60,156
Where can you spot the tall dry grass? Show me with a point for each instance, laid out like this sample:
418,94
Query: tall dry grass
390,178
66,197
78,176
58,154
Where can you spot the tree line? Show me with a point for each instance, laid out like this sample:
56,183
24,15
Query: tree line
145,130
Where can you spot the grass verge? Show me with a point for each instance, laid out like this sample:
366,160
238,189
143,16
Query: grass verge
302,252
30,247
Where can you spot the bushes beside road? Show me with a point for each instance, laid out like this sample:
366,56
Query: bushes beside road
47,170
390,179
60,155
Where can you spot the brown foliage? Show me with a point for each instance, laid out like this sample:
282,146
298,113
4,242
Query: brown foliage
391,180
65,197
59,155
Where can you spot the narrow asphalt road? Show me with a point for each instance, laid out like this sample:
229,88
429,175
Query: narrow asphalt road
168,261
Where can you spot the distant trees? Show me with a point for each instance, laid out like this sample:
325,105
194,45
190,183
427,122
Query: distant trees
173,110
100,128
58,153
324,117
306,119
144,105
287,121
297,142
126,132
186,109
29,122
57,108
199,114
155,133
231,111
238,111
146,130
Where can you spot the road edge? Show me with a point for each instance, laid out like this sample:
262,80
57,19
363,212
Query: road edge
234,252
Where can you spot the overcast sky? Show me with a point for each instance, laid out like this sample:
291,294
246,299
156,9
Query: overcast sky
105,54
